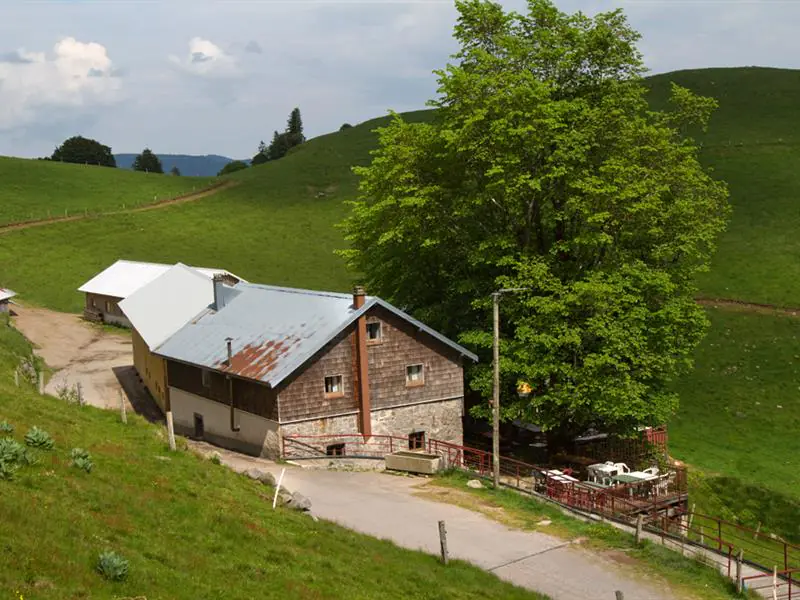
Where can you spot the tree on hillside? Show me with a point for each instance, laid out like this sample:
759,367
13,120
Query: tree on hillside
279,145
345,126
262,155
294,129
175,171
545,169
232,167
81,150
147,161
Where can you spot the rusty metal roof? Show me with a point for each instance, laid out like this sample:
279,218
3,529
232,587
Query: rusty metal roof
273,331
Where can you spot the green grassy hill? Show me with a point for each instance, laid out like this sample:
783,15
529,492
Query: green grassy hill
190,529
36,189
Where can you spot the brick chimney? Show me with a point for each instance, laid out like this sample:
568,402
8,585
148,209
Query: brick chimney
362,365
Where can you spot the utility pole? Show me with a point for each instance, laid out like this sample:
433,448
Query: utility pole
496,383
496,392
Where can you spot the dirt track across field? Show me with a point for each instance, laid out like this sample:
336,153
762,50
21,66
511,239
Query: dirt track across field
749,307
194,196
78,352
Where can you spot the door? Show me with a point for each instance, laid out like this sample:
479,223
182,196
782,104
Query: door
199,429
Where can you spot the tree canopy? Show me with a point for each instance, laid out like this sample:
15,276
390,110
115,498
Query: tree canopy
147,161
81,150
282,142
232,167
545,169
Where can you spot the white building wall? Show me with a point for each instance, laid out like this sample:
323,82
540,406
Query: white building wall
256,435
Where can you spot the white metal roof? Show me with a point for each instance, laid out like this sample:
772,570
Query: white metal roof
167,303
6,294
124,277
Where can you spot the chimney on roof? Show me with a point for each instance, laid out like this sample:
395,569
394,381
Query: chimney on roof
219,296
359,296
230,353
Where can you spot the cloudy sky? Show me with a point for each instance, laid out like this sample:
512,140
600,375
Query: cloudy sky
204,76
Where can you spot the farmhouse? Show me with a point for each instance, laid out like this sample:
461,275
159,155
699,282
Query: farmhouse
105,290
5,298
259,362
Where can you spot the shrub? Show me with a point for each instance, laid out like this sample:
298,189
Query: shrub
345,126
39,438
68,393
13,455
6,427
112,566
81,459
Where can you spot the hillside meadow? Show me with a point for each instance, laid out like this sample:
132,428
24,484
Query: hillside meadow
36,189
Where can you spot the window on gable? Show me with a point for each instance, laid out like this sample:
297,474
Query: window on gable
374,332
333,386
206,378
415,375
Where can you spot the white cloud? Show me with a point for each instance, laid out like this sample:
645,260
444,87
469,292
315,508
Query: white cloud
35,86
206,59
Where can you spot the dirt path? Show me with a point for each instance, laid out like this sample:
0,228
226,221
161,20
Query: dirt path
82,353
390,507
193,197
749,307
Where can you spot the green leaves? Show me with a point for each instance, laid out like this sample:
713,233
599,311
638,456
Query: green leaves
546,169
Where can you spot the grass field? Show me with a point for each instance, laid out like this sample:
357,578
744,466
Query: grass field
189,528
35,189
739,420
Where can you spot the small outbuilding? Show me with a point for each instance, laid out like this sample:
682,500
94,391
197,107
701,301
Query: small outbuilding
5,299
108,288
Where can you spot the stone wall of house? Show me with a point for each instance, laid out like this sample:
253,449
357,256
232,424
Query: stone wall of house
439,420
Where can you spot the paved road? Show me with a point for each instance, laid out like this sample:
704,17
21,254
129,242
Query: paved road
385,506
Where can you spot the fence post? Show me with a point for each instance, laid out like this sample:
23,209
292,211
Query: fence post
618,595
41,383
16,376
123,413
80,393
775,582
719,534
702,537
739,571
639,523
443,542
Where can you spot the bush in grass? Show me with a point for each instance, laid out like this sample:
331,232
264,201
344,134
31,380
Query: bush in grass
13,455
6,427
39,438
112,566
81,459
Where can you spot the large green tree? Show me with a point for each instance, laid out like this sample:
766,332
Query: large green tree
232,167
545,169
81,150
147,161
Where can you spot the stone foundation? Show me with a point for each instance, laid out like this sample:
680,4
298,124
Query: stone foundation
439,420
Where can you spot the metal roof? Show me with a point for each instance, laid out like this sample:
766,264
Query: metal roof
167,303
124,277
6,294
273,331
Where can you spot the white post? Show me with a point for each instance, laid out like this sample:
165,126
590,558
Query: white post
639,524
80,394
170,431
122,412
774,583
496,391
16,376
41,383
443,542
278,488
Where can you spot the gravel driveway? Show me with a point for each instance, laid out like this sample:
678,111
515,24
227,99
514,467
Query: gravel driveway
386,506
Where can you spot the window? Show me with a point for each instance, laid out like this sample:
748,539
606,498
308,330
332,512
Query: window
335,450
109,306
333,386
94,302
415,375
374,332
206,377
416,440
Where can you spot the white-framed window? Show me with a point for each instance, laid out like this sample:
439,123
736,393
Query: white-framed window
206,378
415,375
374,332
334,385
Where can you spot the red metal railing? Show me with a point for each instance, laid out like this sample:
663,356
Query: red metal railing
783,584
340,446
